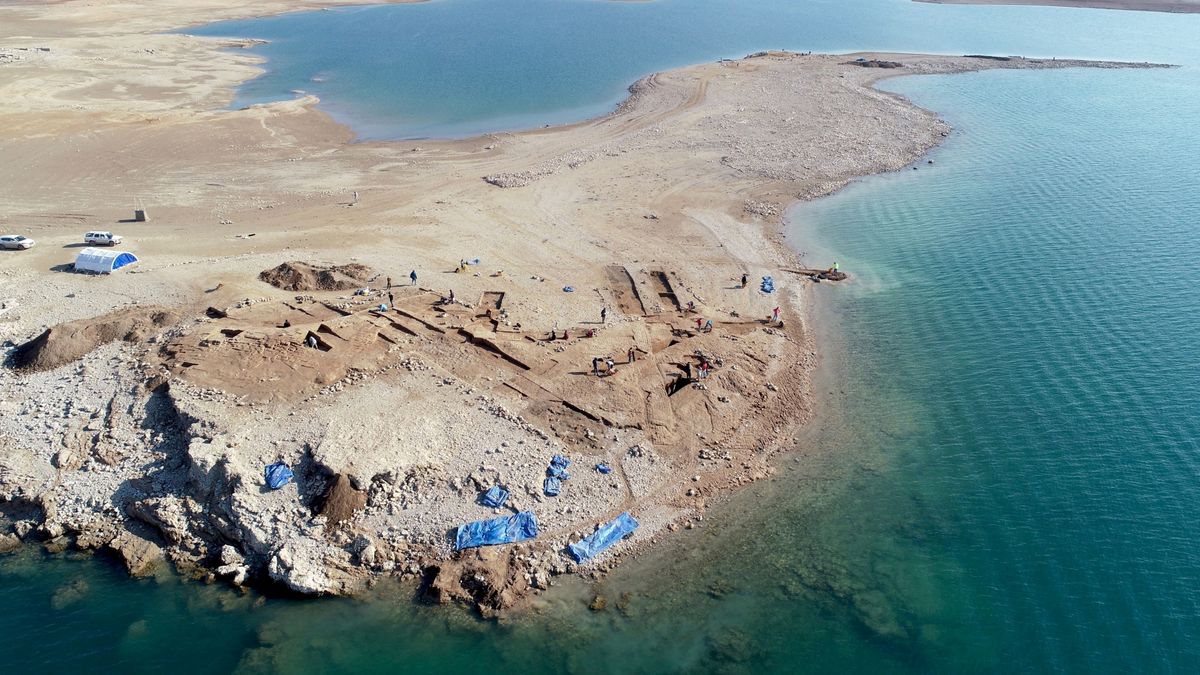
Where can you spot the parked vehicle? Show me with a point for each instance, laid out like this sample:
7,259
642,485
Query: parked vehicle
16,241
102,238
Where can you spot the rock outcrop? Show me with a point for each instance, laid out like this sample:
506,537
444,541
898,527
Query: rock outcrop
142,557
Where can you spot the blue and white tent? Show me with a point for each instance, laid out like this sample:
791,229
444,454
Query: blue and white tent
102,261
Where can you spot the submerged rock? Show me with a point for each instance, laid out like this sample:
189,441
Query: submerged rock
9,543
69,594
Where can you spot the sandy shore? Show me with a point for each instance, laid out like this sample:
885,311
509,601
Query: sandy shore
146,414
1175,6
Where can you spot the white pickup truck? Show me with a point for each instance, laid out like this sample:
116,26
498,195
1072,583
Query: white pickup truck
102,238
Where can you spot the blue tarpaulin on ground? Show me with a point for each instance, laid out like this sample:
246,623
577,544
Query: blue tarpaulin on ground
768,285
607,535
277,475
502,530
495,497
555,474
603,468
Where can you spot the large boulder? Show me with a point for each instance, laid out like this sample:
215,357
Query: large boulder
165,514
233,565
142,557
312,567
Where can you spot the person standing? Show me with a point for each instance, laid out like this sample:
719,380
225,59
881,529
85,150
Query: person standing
745,279
391,301
389,282
356,196
632,356
775,314
413,276
603,315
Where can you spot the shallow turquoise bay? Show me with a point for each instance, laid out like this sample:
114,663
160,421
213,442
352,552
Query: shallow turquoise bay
462,67
1003,476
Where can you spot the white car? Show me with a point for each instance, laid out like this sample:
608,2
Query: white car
102,238
16,241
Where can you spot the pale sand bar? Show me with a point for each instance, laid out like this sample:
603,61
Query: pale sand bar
1175,6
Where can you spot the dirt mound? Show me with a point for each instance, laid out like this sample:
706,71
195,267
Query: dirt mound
341,501
69,341
300,276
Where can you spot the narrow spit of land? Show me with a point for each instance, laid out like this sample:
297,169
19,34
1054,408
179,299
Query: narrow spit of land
141,408
1174,6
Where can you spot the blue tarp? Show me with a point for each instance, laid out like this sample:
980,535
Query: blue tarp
768,285
603,468
495,497
502,530
607,535
277,475
556,473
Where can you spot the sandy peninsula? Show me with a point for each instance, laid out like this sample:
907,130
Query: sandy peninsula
1175,6
138,410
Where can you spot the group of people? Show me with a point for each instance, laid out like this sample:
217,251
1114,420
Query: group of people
610,366
412,277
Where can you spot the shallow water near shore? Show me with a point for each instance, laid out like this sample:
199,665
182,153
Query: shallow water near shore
451,68
1003,476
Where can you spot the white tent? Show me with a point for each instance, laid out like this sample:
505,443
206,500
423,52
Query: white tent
102,261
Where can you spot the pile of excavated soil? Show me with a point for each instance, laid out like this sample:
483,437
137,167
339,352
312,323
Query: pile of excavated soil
300,276
341,501
67,342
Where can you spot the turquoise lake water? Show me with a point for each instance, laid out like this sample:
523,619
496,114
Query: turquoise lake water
462,67
1004,473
